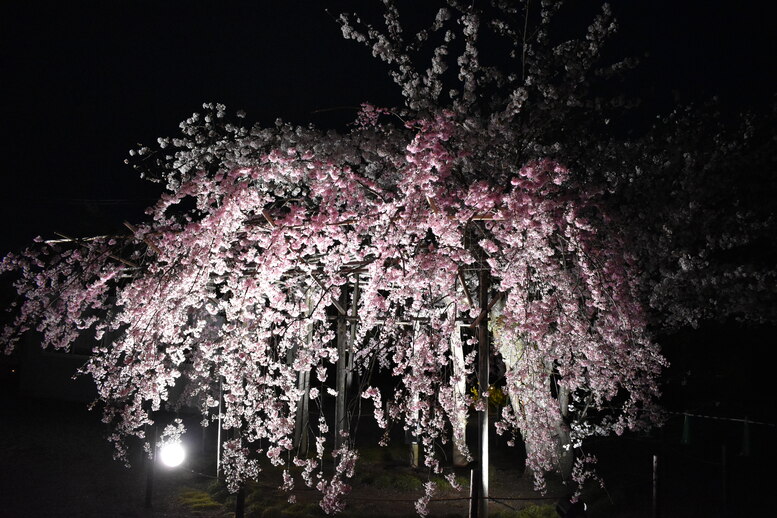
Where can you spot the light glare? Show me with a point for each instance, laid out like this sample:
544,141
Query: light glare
172,454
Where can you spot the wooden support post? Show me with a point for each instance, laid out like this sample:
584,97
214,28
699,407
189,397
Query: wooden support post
240,502
342,340
303,413
235,434
303,384
412,434
457,359
150,467
415,454
354,321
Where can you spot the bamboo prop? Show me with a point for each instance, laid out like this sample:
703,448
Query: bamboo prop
146,240
125,262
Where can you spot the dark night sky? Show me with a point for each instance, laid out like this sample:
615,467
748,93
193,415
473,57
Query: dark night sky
83,83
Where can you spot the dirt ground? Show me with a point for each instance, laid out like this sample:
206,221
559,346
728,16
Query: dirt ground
55,462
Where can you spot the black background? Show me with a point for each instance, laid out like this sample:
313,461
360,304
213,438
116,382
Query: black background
84,82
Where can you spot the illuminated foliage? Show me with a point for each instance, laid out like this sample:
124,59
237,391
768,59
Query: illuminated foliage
231,285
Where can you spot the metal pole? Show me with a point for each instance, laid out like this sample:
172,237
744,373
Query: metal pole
655,486
473,493
745,451
483,364
218,436
724,477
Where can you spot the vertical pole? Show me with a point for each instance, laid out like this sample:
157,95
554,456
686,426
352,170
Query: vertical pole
413,434
203,440
218,435
724,477
473,494
566,454
415,454
457,359
303,411
342,330
745,451
655,486
240,502
150,464
686,437
303,384
352,335
483,364
235,435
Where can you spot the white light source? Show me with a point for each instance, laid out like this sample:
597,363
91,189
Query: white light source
172,454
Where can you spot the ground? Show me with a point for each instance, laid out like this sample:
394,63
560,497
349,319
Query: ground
54,462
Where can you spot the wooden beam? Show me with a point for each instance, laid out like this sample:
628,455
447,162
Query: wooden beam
81,239
484,312
460,275
357,267
432,205
146,240
112,256
268,218
336,303
486,217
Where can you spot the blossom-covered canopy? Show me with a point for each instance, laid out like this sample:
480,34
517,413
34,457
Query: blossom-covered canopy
269,243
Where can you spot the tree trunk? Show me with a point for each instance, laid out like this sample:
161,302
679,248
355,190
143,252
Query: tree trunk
566,455
511,354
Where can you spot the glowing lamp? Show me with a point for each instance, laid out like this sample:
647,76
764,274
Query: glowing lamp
172,454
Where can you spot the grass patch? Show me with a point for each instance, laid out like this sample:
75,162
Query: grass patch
284,510
394,453
443,483
198,500
533,511
218,491
398,481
